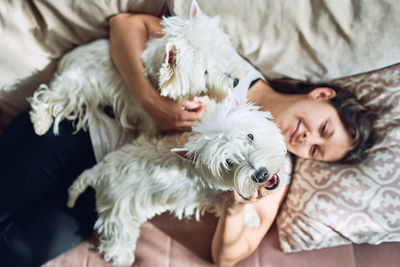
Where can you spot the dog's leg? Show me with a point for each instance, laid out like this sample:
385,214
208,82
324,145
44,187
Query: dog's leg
251,218
40,113
90,177
75,190
118,235
57,103
75,91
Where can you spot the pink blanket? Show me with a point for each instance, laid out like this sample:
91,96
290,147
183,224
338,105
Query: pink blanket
166,241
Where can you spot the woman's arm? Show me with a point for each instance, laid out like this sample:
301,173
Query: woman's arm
128,37
233,241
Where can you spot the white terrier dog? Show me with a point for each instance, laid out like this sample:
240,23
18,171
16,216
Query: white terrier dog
231,148
193,58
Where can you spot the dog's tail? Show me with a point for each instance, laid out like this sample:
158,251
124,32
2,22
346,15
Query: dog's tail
77,188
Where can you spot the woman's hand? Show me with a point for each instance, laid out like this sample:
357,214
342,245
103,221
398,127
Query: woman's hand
234,202
171,115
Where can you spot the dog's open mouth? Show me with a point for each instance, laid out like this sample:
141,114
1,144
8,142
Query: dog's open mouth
272,183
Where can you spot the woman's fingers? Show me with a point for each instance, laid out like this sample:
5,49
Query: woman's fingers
171,115
191,105
188,116
257,195
183,120
193,114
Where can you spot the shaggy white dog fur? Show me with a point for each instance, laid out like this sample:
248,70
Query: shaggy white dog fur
193,58
231,148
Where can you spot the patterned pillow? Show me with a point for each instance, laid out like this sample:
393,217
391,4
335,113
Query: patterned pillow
329,205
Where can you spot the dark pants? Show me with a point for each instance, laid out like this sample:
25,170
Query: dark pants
35,173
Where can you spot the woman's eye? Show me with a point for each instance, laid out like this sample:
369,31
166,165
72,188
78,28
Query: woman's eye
250,137
323,129
313,150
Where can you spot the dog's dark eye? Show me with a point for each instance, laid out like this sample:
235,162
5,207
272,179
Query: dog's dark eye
229,163
235,82
250,137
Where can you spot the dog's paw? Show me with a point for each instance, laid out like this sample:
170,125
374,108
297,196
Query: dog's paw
119,254
251,218
42,121
71,200
123,258
126,261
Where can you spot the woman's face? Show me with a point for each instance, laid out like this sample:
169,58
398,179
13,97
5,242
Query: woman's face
312,127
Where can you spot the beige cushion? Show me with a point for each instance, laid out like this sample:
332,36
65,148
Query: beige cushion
309,40
329,205
34,34
22,57
69,23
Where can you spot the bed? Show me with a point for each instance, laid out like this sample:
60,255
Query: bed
333,215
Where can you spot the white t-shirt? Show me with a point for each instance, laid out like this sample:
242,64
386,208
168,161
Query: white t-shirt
107,135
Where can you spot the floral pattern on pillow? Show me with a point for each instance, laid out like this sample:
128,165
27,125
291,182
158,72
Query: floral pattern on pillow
332,204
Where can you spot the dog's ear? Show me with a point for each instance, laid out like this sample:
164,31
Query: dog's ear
194,9
183,153
170,54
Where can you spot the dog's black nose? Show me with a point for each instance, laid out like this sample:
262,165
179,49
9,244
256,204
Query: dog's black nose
235,82
260,176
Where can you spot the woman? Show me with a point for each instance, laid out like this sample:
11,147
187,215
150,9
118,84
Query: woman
35,224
